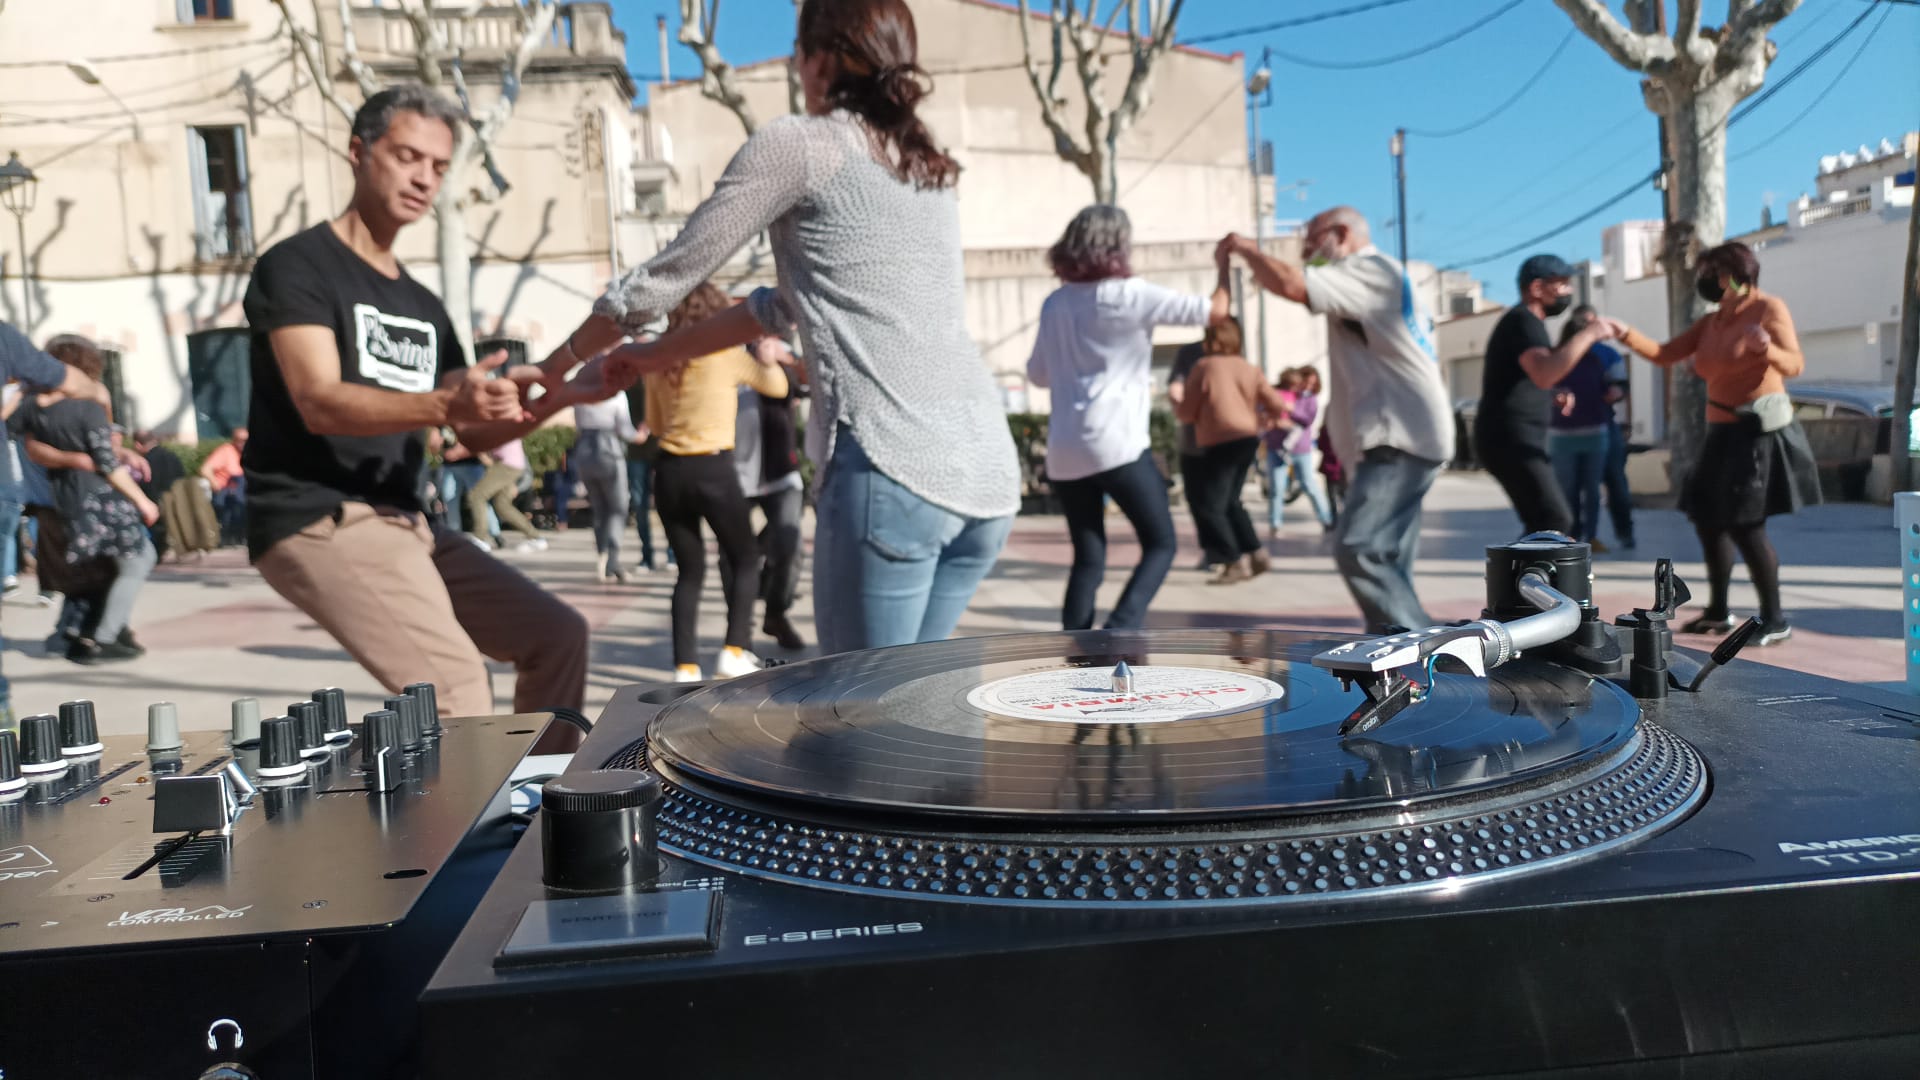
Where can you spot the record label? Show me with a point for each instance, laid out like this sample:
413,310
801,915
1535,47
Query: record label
1085,695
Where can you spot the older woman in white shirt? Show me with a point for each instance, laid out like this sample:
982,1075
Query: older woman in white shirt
1094,351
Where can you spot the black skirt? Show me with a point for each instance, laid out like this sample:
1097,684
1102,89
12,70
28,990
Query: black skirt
1745,475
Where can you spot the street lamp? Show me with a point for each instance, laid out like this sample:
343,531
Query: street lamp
84,71
1259,96
18,186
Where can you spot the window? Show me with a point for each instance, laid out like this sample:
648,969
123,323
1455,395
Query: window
197,11
222,213
516,349
222,381
112,378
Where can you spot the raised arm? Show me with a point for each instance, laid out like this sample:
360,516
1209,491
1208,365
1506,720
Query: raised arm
1680,348
1546,367
763,181
1277,277
730,329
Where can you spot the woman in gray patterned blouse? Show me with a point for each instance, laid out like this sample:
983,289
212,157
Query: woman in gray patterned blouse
920,481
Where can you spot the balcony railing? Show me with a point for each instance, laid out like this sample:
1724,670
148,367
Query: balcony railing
584,31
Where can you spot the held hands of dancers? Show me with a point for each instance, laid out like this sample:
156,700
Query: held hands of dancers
475,395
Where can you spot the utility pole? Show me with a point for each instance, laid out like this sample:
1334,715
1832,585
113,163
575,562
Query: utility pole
1399,148
1259,93
1904,373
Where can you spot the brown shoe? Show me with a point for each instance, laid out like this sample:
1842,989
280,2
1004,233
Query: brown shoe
1259,563
1232,572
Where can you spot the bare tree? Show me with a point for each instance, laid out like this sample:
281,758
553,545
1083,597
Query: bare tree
1095,151
1694,78
439,63
719,81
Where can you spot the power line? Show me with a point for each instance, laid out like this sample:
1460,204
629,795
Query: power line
1786,80
1532,241
1288,24
1737,115
1383,61
162,55
1448,133
1822,95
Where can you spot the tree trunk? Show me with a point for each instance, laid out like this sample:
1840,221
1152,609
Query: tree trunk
456,263
1904,373
1697,137
1100,172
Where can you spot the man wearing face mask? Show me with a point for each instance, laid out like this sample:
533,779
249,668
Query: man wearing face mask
1387,411
1516,393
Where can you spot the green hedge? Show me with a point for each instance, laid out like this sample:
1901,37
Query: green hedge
545,447
195,455
1030,443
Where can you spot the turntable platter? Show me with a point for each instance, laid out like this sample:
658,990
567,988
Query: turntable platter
1216,724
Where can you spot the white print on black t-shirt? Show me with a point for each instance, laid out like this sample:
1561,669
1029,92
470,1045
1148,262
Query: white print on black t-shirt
395,352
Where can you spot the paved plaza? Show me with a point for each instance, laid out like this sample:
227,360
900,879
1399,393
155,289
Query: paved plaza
214,631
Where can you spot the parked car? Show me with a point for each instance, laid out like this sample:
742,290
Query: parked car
1850,427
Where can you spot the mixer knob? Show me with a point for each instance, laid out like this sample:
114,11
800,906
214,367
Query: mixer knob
427,707
412,736
10,778
163,726
246,721
381,731
333,707
597,831
40,745
280,748
79,731
309,728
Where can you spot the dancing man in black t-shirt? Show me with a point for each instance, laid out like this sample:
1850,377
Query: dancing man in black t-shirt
352,361
1516,393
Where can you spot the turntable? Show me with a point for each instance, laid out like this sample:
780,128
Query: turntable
1509,846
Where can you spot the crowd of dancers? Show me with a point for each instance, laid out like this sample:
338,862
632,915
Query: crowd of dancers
917,480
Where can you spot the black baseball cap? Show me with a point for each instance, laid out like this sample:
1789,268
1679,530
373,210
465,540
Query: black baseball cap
1541,267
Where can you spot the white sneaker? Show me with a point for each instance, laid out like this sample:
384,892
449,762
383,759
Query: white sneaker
479,543
684,675
534,544
730,664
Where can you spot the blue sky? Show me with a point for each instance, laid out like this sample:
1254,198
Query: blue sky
1577,137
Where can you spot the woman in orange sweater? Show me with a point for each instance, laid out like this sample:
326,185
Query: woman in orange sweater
1224,400
1755,462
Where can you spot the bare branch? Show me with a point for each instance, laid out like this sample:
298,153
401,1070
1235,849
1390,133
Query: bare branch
1762,16
1636,52
1643,15
717,82
307,47
1139,92
350,53
1052,112
1686,27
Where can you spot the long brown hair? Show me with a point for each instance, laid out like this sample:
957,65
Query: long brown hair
704,302
877,76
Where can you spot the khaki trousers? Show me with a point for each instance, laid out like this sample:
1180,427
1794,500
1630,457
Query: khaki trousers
416,604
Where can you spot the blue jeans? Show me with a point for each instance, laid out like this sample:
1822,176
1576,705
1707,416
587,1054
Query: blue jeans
640,502
10,510
1619,496
1300,468
1579,461
1379,536
889,567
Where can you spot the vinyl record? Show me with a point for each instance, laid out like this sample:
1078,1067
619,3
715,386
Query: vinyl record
1216,724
